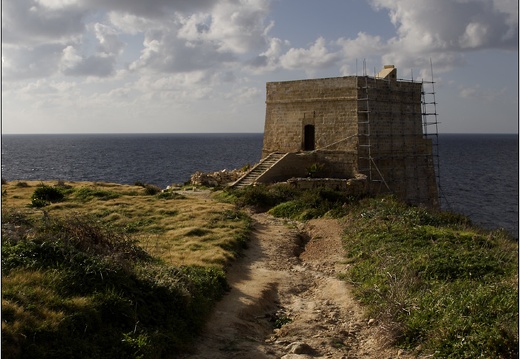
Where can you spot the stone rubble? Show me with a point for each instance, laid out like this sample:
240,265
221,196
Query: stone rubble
216,179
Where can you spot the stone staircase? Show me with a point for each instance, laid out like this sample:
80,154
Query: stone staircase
265,165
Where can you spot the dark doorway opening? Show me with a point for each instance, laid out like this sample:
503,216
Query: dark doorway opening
308,139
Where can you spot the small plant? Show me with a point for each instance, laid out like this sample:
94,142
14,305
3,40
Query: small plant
151,189
39,203
45,195
315,170
246,167
280,321
22,184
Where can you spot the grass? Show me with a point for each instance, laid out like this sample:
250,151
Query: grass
124,271
440,286
111,271
443,285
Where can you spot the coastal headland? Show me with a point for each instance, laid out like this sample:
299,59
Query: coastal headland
111,270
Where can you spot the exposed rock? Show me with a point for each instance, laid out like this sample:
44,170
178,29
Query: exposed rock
299,348
215,179
296,356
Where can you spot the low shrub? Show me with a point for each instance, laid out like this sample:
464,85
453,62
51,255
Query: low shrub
283,200
264,197
44,195
151,189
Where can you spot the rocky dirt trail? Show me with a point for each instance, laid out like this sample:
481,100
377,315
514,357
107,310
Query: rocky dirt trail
286,301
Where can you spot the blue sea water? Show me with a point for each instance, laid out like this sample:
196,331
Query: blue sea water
478,173
479,178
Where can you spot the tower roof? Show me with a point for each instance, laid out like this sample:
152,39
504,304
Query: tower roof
388,72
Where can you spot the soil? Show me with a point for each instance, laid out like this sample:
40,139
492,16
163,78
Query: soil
287,302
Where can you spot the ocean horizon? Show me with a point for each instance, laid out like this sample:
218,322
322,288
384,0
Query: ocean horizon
478,172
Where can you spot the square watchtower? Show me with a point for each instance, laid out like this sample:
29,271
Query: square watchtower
352,125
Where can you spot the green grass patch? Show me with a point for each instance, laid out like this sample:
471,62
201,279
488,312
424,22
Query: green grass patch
72,287
88,194
109,272
441,283
282,200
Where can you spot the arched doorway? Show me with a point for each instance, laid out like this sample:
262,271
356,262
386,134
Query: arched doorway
308,139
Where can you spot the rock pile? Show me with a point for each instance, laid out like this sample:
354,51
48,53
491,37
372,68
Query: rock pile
216,179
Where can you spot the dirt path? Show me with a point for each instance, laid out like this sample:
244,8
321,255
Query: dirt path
286,301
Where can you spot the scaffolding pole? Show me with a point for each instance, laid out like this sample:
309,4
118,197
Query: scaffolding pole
431,128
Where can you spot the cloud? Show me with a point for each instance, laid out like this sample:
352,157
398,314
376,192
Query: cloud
32,22
268,60
488,95
316,57
22,63
185,35
136,54
150,9
109,42
449,24
100,64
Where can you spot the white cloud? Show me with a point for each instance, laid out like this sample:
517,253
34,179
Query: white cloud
100,64
268,60
451,25
109,42
162,53
487,95
20,63
316,57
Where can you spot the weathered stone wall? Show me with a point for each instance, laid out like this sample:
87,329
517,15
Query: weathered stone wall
356,186
336,164
402,156
327,104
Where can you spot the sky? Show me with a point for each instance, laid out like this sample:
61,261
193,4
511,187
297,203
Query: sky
200,66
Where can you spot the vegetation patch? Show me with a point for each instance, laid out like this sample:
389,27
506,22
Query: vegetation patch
88,194
45,195
282,200
438,284
72,287
108,273
444,285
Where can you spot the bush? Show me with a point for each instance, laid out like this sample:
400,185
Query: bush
39,203
263,197
44,195
151,189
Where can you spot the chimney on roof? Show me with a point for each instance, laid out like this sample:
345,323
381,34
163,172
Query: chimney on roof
388,72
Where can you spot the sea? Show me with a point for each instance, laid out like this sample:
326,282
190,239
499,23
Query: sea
477,173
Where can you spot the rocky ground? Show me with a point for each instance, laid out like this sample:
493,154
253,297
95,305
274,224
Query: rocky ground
286,301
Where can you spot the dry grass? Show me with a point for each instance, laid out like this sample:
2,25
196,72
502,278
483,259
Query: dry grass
189,230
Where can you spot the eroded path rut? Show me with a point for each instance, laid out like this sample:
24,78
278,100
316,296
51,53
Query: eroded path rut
286,301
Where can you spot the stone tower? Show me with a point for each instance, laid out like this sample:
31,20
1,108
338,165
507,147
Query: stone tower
347,126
